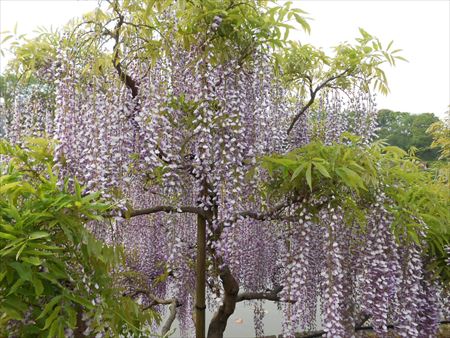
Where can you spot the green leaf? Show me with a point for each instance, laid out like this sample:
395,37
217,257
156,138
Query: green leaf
356,166
52,317
413,235
24,245
401,58
15,286
322,169
38,235
390,45
2,275
80,300
11,312
77,189
305,25
8,227
72,317
6,38
283,161
23,269
298,171
308,175
35,253
38,286
350,178
5,187
67,232
53,328
49,306
32,260
44,246
7,236
11,247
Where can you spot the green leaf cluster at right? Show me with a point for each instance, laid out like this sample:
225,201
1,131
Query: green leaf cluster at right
352,175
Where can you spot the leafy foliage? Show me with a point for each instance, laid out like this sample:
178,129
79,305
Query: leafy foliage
352,174
54,275
440,131
307,66
441,142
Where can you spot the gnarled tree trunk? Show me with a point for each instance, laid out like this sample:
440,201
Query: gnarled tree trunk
219,321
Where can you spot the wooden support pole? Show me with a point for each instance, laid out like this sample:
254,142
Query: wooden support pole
200,287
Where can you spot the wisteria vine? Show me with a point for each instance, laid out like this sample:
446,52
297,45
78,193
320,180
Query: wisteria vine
189,142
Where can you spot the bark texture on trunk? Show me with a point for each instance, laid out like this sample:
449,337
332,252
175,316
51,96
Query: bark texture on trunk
218,322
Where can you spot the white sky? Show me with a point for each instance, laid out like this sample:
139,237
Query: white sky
420,28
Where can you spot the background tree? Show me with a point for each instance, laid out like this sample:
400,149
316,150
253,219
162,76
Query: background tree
441,142
167,106
440,131
407,130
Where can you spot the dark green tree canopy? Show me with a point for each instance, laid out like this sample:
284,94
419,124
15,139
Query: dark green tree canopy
406,130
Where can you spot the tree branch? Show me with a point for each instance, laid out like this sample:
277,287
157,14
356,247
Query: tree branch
173,302
263,216
268,295
155,300
313,93
312,97
168,209
172,314
127,79
260,216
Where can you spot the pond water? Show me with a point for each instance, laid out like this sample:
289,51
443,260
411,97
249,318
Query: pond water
240,324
